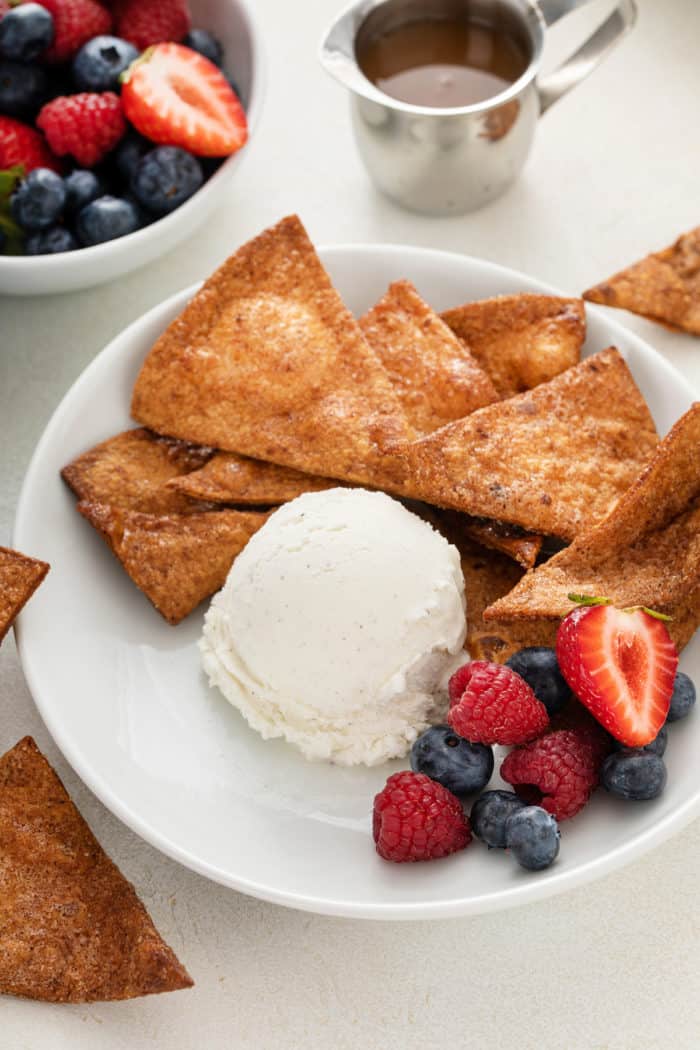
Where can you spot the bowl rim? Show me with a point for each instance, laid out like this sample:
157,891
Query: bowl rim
527,891
97,252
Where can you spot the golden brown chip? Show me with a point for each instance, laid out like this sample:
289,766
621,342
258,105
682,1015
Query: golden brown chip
645,552
521,340
229,478
523,547
177,560
72,929
487,576
551,460
19,578
266,361
663,287
132,469
435,376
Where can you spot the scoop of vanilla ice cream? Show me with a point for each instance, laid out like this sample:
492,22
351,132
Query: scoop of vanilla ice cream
338,626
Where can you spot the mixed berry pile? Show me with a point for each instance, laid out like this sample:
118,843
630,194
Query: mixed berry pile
112,115
592,712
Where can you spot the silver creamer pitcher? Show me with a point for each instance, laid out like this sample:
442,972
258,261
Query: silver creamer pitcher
449,161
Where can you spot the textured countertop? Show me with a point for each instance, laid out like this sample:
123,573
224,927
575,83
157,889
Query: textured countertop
613,175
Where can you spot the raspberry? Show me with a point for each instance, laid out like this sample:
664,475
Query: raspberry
558,772
148,22
496,706
75,22
576,718
415,818
20,144
458,683
87,126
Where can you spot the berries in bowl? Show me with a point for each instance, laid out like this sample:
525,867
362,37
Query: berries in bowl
129,108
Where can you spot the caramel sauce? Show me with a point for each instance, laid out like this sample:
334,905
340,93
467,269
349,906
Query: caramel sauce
441,63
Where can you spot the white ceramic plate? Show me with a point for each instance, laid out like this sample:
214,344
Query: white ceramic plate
124,698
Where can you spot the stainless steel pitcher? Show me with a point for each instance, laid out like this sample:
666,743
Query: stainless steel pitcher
449,161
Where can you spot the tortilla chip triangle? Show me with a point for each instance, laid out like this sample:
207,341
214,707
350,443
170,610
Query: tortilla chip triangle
645,552
229,478
487,576
521,340
71,927
267,361
523,547
436,378
551,460
132,469
664,286
19,578
177,560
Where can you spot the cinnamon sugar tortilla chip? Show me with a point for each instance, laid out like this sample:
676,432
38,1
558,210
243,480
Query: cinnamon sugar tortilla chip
551,460
523,547
433,373
72,929
521,340
487,576
645,552
19,578
230,478
132,469
266,361
177,560
665,286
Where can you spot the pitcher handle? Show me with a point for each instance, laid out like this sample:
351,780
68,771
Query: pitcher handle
583,61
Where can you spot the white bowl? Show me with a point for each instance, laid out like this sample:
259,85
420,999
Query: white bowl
123,695
233,22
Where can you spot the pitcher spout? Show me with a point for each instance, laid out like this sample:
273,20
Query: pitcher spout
336,51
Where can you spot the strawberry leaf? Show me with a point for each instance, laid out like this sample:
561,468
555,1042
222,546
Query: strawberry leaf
649,612
14,236
588,599
9,180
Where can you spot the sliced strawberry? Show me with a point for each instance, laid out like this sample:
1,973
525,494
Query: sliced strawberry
621,665
177,97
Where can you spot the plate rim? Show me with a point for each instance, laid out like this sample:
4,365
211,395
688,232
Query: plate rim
526,892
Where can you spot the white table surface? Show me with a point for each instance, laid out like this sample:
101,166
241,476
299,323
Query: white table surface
610,966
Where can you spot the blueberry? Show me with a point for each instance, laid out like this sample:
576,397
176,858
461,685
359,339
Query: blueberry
104,219
39,199
461,767
82,187
129,152
202,41
538,666
165,178
532,836
634,774
50,242
683,698
23,89
99,63
25,32
656,747
489,814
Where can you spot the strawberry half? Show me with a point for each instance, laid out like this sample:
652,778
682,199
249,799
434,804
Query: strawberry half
177,97
621,664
